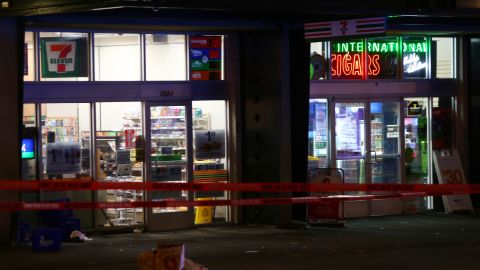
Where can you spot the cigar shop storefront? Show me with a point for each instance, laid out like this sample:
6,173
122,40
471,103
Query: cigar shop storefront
380,103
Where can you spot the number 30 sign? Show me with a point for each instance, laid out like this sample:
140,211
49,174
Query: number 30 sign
450,171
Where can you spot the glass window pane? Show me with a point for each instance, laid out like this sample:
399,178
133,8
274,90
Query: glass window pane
29,146
350,140
443,57
65,132
29,115
168,153
415,51
318,62
318,133
117,57
65,129
347,59
416,140
442,122
209,140
206,58
416,148
63,56
166,57
119,157
29,56
384,141
382,58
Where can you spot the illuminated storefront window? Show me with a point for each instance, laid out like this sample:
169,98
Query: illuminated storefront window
414,53
383,58
443,57
318,62
28,57
347,60
117,57
63,56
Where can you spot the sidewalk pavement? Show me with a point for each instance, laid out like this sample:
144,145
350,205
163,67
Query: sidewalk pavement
421,241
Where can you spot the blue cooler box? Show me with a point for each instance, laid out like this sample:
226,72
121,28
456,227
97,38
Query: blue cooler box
47,239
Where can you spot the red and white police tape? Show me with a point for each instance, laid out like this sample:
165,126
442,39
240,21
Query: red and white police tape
445,189
18,206
389,191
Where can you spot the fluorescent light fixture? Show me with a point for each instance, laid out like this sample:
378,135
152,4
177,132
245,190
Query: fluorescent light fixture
5,4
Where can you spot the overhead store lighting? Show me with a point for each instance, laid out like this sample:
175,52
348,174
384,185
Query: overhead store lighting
6,4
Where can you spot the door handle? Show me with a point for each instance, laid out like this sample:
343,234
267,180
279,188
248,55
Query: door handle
370,157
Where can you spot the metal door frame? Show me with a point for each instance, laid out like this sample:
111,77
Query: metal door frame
367,138
174,220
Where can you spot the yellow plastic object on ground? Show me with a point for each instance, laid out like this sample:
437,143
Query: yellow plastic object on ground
204,214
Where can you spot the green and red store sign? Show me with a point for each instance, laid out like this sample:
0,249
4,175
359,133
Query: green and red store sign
379,58
64,57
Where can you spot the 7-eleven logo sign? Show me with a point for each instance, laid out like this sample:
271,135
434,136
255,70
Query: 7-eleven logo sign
60,56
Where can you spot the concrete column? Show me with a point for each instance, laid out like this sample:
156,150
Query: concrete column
274,93
11,96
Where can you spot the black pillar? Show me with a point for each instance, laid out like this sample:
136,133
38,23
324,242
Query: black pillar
11,89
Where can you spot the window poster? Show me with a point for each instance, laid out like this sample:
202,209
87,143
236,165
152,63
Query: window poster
63,158
209,144
64,57
206,58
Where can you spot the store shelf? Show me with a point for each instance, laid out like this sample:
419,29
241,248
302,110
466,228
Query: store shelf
65,128
169,117
170,138
161,128
168,162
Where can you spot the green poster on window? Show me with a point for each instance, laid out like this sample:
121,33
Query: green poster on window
64,57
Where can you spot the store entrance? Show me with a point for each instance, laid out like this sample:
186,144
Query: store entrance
367,148
169,160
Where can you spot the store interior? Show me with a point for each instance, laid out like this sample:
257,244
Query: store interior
120,153
427,123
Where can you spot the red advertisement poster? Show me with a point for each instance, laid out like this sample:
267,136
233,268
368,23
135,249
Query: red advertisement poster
129,136
206,58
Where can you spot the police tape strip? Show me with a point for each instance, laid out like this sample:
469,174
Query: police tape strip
55,185
25,206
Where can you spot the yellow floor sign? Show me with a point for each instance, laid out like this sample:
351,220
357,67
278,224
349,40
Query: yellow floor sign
204,214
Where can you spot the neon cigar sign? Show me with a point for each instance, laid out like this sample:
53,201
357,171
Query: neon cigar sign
350,60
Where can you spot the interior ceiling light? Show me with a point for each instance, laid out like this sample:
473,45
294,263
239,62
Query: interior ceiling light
6,4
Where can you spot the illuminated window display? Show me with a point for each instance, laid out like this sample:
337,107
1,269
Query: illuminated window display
318,62
415,57
347,60
443,54
383,58
63,56
113,50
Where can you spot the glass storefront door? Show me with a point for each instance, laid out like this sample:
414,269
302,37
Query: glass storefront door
385,149
367,148
119,158
351,150
417,149
350,140
169,161
318,138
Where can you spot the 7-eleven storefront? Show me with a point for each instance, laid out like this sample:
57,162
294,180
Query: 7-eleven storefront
128,106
